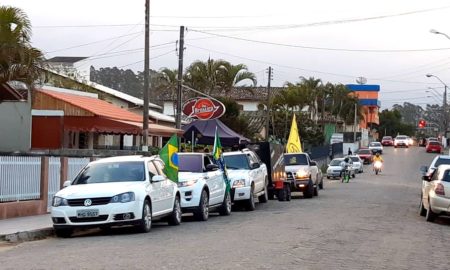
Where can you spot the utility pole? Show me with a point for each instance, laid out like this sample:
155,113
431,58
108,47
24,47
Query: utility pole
180,77
146,75
354,124
268,104
445,111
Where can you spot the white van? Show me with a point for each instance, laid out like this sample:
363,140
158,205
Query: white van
337,138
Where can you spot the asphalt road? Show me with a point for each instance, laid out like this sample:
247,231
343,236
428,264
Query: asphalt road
370,223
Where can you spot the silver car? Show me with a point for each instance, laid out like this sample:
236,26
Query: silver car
435,196
357,163
335,168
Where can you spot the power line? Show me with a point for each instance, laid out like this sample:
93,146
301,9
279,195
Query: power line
140,61
320,48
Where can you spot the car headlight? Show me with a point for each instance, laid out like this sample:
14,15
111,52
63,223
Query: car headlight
58,201
302,174
239,183
123,198
187,183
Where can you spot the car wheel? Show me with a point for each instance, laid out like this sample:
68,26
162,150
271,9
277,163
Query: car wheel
271,194
202,212
288,193
321,184
328,177
63,233
422,210
250,203
353,175
225,208
175,217
282,194
309,192
146,221
264,197
430,216
316,191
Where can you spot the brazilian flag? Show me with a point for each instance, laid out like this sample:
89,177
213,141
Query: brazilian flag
169,154
217,155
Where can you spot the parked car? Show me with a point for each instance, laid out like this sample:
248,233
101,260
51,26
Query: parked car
127,190
435,199
202,186
302,174
434,147
365,154
357,163
248,177
438,160
376,147
387,141
401,141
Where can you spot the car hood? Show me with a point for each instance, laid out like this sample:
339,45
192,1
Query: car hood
99,190
295,168
334,168
188,176
237,174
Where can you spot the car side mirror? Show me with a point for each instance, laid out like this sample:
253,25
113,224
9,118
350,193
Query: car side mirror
423,169
313,163
426,178
67,183
158,178
211,167
255,166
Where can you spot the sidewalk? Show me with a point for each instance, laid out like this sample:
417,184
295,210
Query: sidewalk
26,228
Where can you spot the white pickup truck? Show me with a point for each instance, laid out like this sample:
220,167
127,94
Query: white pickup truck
248,177
202,186
303,174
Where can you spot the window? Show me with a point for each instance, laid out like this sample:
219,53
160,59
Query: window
152,171
446,176
237,162
111,172
160,166
295,159
190,163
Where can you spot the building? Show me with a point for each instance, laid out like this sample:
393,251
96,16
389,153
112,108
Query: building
368,100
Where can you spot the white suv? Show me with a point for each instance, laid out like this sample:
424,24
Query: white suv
401,140
128,190
202,186
248,176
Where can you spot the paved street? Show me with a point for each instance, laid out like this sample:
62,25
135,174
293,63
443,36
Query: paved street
370,223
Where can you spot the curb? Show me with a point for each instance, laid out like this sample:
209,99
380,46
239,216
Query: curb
27,235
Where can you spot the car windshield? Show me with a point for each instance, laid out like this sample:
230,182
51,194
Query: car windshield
190,163
293,159
433,143
236,162
441,161
375,144
446,176
355,159
111,172
336,162
364,151
401,138
387,138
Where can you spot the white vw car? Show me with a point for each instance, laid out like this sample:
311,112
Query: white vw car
248,176
128,190
202,186
435,199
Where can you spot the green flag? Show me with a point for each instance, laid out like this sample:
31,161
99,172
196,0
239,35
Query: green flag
217,155
169,154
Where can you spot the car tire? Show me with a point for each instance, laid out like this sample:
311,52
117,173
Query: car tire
145,225
328,177
250,203
422,210
282,194
63,233
264,197
225,208
353,175
271,194
288,193
309,192
430,215
321,184
316,191
202,211
175,217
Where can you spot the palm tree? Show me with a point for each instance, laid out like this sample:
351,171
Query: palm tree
167,81
203,76
312,87
19,61
231,75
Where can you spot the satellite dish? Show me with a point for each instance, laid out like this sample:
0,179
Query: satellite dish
361,80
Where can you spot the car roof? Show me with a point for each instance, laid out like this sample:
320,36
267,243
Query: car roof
234,153
338,159
124,159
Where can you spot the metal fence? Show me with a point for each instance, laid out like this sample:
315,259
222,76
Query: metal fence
54,175
74,166
20,178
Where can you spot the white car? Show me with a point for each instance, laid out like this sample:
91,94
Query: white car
248,176
376,147
401,140
357,164
127,190
335,168
202,186
435,199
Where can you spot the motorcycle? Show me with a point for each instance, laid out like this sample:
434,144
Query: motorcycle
377,166
346,174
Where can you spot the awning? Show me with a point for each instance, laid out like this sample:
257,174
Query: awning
157,130
100,125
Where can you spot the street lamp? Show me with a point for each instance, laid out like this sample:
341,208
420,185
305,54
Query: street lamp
444,103
433,31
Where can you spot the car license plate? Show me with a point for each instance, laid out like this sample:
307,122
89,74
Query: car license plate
87,213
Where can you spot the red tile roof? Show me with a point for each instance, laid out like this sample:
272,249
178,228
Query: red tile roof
95,106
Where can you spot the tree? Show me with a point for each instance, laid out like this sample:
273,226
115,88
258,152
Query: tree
231,75
391,123
233,119
19,61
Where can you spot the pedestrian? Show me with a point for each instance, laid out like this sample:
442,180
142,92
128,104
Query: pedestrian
350,151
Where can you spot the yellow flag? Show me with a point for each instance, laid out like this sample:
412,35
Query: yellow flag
294,145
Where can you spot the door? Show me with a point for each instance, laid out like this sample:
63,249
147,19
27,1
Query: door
155,190
215,182
257,173
167,188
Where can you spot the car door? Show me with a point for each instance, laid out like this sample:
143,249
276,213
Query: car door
215,182
167,188
155,190
257,173
314,171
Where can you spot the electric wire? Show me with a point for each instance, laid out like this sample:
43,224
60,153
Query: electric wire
151,58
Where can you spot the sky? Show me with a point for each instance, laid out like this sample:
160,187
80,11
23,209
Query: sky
388,42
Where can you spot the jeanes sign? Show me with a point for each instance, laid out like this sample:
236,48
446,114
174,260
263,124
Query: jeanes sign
203,108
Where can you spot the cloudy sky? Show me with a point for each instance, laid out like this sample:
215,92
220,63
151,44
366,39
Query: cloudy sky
386,41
